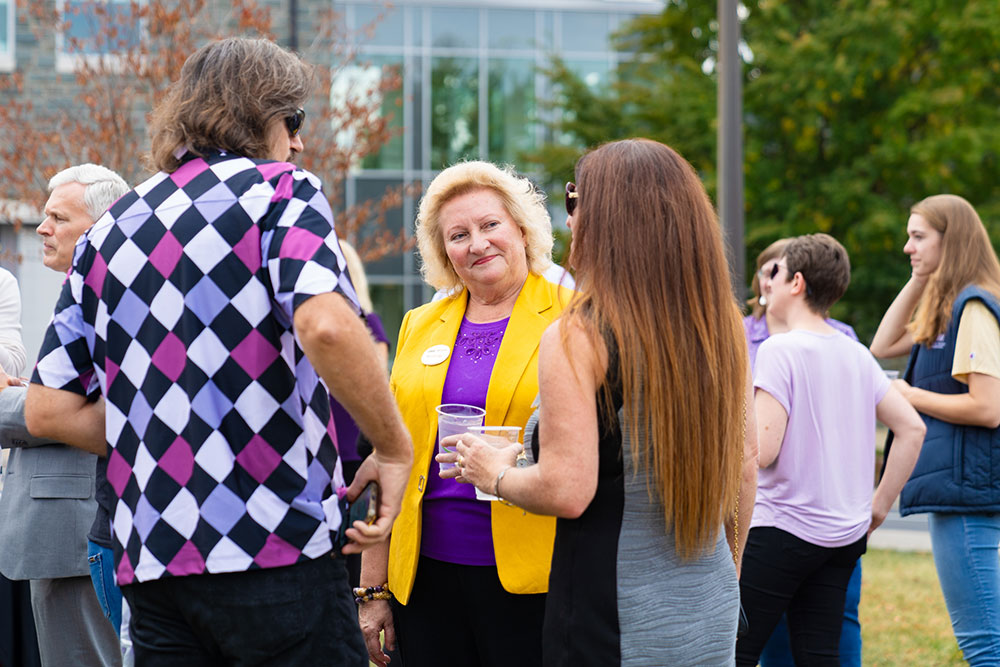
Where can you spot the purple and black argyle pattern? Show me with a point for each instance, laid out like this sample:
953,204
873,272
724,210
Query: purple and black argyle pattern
180,306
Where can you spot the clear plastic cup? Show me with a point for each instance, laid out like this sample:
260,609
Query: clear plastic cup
498,436
456,418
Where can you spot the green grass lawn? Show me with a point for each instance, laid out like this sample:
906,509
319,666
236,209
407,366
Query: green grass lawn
903,617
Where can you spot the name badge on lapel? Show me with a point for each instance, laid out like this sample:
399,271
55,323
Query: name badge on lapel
435,354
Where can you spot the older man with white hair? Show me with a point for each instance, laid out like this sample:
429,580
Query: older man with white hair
48,500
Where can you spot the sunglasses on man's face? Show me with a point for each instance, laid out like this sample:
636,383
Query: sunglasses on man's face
572,197
294,122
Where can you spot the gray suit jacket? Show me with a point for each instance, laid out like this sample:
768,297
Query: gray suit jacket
47,504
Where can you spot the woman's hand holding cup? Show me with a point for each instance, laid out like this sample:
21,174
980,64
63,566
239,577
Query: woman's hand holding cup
452,471
479,461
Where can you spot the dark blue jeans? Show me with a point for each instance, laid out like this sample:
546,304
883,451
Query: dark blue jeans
303,614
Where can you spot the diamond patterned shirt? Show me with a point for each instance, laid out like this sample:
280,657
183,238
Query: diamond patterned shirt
179,307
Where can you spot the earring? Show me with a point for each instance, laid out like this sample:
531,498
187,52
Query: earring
762,301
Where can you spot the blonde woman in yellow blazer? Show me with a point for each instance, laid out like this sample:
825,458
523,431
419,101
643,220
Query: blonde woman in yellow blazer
485,237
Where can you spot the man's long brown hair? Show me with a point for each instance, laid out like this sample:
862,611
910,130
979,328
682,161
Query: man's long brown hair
967,258
653,275
228,93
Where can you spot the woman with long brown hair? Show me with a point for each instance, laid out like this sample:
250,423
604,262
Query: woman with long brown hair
947,317
646,448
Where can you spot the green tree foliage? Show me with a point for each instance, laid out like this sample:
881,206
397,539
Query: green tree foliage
853,111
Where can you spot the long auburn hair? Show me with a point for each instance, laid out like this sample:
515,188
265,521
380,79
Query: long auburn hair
653,275
967,258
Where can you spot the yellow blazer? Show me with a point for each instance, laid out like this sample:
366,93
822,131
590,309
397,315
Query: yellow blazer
522,542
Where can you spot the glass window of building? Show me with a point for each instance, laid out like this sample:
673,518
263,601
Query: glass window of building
7,23
454,28
473,88
512,120
585,31
454,110
511,29
380,68
594,73
96,29
370,189
380,25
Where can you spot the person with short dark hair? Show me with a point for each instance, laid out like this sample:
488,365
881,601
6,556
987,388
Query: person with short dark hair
212,308
760,324
817,396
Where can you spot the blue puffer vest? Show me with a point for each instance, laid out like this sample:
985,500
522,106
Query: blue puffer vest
959,466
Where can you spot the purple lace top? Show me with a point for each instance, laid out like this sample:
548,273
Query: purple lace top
456,526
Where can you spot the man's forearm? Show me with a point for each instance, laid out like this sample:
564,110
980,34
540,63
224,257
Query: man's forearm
338,346
66,417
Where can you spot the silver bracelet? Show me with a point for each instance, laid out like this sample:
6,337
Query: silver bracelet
496,487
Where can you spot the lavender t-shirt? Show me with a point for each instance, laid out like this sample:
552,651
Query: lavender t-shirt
756,332
820,486
456,526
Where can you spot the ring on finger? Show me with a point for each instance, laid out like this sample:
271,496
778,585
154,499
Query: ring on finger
461,461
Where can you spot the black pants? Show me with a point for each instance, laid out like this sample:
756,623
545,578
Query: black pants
18,642
302,614
460,616
784,573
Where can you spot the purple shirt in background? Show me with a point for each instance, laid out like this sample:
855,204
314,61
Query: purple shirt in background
456,526
757,333
820,486
347,430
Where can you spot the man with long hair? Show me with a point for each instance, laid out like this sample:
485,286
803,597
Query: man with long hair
212,308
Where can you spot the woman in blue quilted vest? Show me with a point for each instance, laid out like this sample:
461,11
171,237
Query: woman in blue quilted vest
947,317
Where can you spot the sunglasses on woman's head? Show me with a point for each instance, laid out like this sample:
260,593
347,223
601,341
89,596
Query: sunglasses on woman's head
572,197
294,122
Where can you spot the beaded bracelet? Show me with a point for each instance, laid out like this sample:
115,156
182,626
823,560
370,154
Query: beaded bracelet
362,595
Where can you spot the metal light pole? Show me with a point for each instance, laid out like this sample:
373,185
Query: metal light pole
730,148
293,25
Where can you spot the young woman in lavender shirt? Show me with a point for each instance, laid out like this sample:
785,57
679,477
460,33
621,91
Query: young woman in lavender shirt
468,576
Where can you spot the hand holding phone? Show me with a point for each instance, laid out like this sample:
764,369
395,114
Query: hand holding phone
364,508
